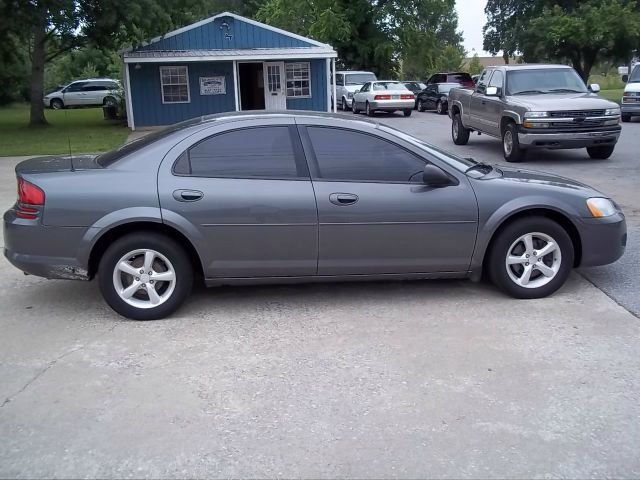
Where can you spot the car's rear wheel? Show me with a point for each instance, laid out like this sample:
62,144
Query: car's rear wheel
511,145
440,108
420,105
109,102
600,153
407,112
459,134
57,104
145,276
370,113
531,258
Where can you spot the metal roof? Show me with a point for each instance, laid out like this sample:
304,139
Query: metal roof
229,54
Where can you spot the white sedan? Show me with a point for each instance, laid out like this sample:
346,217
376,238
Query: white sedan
383,95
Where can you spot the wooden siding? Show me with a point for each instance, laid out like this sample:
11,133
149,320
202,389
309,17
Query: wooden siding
212,36
146,94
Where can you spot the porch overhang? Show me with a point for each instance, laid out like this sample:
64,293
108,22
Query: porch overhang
245,54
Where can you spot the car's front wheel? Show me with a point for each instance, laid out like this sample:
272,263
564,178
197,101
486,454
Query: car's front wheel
345,105
601,153
57,104
109,101
511,148
531,258
145,276
354,107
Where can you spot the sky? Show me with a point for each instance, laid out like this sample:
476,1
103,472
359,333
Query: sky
471,19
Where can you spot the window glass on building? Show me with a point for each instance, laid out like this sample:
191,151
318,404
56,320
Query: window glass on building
175,84
298,79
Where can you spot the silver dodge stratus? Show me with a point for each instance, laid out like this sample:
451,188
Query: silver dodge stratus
297,197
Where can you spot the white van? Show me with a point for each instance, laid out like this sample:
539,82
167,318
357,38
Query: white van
631,96
347,82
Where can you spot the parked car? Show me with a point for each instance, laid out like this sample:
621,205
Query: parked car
297,197
462,78
436,96
535,106
631,95
84,93
383,95
347,82
415,88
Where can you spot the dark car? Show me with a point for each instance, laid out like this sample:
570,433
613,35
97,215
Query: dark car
435,97
415,87
462,78
297,197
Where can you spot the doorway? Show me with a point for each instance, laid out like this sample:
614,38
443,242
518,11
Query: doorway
251,80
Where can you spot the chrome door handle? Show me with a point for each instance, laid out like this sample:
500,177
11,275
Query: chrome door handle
187,195
343,199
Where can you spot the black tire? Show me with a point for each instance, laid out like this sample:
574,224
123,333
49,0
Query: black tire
511,146
163,245
459,134
345,106
56,104
354,108
503,275
407,112
420,105
109,101
601,153
370,113
440,108
626,118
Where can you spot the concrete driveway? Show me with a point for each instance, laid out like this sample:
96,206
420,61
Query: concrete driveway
424,379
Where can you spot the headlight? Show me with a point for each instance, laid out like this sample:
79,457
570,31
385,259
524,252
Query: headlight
536,115
601,207
612,111
349,94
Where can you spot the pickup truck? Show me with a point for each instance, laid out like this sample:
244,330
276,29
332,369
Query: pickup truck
535,106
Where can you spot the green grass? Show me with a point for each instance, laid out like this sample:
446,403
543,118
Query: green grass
614,95
84,128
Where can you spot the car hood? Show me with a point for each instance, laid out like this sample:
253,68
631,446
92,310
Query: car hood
543,179
561,101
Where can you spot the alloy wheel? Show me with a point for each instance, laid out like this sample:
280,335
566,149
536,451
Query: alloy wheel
533,260
507,142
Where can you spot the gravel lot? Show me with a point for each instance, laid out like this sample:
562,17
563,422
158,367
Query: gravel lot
423,379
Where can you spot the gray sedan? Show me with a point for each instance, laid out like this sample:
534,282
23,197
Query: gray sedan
297,197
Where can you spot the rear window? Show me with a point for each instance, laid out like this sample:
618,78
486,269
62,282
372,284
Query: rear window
459,77
389,86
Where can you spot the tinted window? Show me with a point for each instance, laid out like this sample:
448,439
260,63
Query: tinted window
339,80
459,77
353,156
359,78
94,87
251,152
75,87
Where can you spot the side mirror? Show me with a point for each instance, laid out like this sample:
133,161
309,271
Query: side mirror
434,177
492,92
625,78
594,87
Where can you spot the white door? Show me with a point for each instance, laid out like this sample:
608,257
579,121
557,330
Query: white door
275,89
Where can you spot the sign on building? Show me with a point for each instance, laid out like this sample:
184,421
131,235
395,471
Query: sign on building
213,86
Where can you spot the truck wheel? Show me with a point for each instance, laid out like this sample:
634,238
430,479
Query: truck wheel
600,153
510,144
345,106
530,258
145,276
459,134
626,117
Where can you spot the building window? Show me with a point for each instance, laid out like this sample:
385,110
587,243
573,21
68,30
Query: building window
299,80
175,84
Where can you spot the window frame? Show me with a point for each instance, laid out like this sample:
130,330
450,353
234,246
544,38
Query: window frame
286,79
162,84
302,169
314,166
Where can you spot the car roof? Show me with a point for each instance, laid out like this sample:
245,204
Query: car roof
261,114
530,66
95,80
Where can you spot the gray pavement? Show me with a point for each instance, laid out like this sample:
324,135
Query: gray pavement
446,379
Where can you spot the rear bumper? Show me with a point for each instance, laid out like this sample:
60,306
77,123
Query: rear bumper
391,105
555,139
49,252
603,240
631,108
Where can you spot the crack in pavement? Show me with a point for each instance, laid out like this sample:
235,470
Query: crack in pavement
52,363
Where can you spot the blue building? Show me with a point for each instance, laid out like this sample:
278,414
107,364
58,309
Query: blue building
225,63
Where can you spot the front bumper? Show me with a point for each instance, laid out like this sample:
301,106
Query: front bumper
49,252
603,240
392,105
576,139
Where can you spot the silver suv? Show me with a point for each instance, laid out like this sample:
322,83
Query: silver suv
347,83
85,93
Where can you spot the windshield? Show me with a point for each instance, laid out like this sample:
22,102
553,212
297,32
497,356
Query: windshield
459,163
550,80
389,86
108,158
359,78
635,75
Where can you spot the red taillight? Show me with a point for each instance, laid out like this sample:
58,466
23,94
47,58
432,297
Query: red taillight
29,195
382,97
407,96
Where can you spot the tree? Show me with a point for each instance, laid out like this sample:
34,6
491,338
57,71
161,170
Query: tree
52,27
475,67
581,32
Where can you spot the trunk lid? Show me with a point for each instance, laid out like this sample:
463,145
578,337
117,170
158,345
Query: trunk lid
57,164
